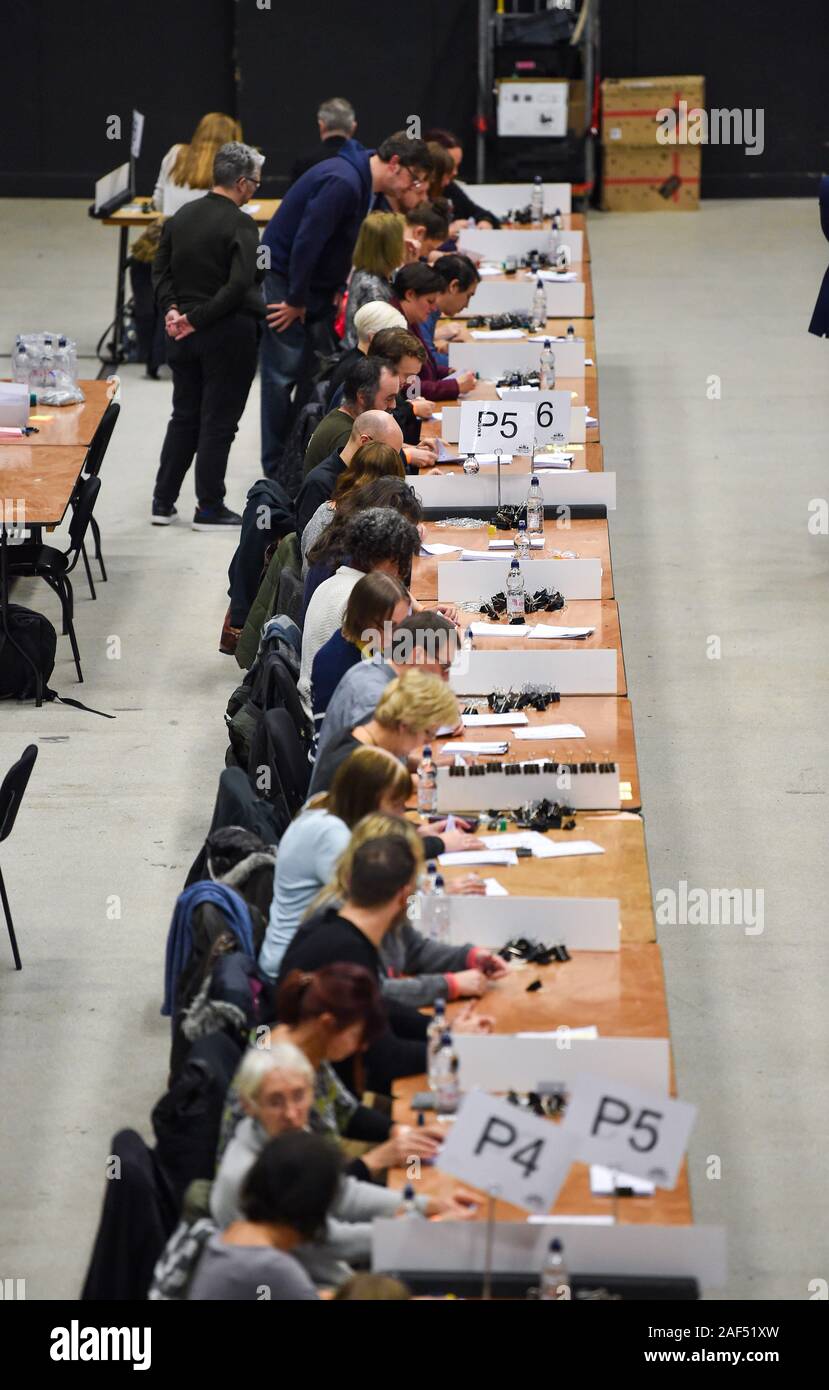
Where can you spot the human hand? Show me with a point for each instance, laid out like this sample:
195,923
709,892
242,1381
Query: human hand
411,249
407,1142
280,316
469,887
468,1021
458,226
471,984
466,382
423,409
450,611
456,840
461,1206
494,967
419,456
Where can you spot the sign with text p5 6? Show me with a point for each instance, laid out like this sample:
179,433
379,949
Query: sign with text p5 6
492,427
551,422
628,1128
510,1152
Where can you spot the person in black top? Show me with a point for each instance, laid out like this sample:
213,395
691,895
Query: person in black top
337,123
206,278
462,205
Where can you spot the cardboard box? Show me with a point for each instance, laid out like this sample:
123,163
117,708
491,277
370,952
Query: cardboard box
630,106
665,179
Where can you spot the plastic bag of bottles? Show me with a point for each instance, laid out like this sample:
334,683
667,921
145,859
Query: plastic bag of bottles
48,364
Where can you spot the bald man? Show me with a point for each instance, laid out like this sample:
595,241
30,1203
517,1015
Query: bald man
319,484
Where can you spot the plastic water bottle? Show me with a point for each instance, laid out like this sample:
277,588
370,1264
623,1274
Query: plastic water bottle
547,373
408,1206
537,201
535,509
557,219
427,784
515,592
434,1038
471,465
555,1281
538,308
440,912
571,332
447,1077
426,899
521,543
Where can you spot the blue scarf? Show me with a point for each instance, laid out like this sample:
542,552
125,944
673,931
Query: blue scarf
180,935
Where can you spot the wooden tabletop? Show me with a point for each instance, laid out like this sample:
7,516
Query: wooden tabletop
588,540
71,425
128,217
607,721
40,480
603,615
557,328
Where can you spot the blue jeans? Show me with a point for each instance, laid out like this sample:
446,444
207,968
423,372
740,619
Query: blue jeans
288,360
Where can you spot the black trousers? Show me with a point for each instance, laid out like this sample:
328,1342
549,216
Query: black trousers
212,372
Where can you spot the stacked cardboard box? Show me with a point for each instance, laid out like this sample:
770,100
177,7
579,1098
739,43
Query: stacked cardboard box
640,172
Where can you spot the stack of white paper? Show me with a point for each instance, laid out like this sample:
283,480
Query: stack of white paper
545,630
547,730
483,721
438,548
495,334
499,629
605,1181
474,748
506,857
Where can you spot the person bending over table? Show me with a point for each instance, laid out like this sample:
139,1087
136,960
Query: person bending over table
351,467
370,384
416,290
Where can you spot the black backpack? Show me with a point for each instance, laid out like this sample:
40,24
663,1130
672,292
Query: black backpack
270,684
34,635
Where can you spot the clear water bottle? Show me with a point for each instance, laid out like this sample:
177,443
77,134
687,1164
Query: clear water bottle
547,372
535,509
555,1281
408,1206
471,465
426,899
571,332
434,1038
538,308
557,219
521,543
48,367
447,1077
427,784
537,201
440,912
515,592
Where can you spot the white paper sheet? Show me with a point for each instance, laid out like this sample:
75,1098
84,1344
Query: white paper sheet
562,276
547,730
495,334
494,889
479,856
438,548
498,630
483,721
604,1181
473,748
546,631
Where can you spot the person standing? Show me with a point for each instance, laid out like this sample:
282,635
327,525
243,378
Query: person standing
206,279
310,241
337,122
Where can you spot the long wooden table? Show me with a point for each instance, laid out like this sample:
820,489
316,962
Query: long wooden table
39,479
70,426
589,540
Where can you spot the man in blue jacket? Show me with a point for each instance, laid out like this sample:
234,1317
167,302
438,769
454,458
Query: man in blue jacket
310,239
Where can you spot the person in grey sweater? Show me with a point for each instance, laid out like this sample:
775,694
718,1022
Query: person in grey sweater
437,971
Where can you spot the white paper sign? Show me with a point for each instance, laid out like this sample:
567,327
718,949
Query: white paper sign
503,1149
137,134
552,415
492,426
629,1128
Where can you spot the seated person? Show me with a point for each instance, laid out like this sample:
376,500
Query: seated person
276,1089
407,354
286,1193
462,206
427,225
376,600
368,781
461,279
416,290
425,640
376,539
408,714
376,426
368,320
377,255
370,384
379,878
329,550
369,462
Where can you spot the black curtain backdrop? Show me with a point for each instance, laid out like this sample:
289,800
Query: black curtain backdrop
67,67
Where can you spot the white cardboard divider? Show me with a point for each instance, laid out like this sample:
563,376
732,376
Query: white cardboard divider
560,487
565,298
679,1252
490,359
509,1062
494,246
580,924
586,672
584,791
450,421
462,580
502,198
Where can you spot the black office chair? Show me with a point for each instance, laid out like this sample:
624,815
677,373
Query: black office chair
11,794
55,566
91,468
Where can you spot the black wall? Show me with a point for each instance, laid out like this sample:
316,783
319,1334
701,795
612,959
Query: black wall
67,67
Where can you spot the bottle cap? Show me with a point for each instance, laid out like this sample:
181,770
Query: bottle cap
408,1193
534,480
431,867
546,342
555,1245
427,750
447,1038
540,284
514,565
440,1005
522,525
439,881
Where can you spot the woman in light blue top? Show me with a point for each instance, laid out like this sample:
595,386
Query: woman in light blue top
368,780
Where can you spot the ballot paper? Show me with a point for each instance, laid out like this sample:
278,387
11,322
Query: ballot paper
561,849
438,548
495,334
588,362
539,846
479,856
483,721
536,543
588,1033
494,889
552,460
551,275
474,748
546,730
251,208
490,270
590,420
545,630
499,630
604,1182
528,390
506,458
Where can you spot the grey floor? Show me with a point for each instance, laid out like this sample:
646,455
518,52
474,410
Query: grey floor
711,540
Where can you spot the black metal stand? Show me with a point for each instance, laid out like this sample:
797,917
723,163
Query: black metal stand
116,355
4,613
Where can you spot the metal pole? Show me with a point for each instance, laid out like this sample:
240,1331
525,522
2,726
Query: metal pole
484,82
490,1241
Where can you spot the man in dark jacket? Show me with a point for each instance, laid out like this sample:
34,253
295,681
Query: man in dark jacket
310,240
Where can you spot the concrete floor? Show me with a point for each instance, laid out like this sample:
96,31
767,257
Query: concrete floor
710,540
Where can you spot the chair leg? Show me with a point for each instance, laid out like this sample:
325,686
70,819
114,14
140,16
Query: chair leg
57,589
18,964
88,571
76,654
96,531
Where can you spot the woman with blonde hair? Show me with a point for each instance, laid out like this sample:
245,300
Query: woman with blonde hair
191,166
377,255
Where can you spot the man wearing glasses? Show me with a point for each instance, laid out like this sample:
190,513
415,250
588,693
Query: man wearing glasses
206,279
310,240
